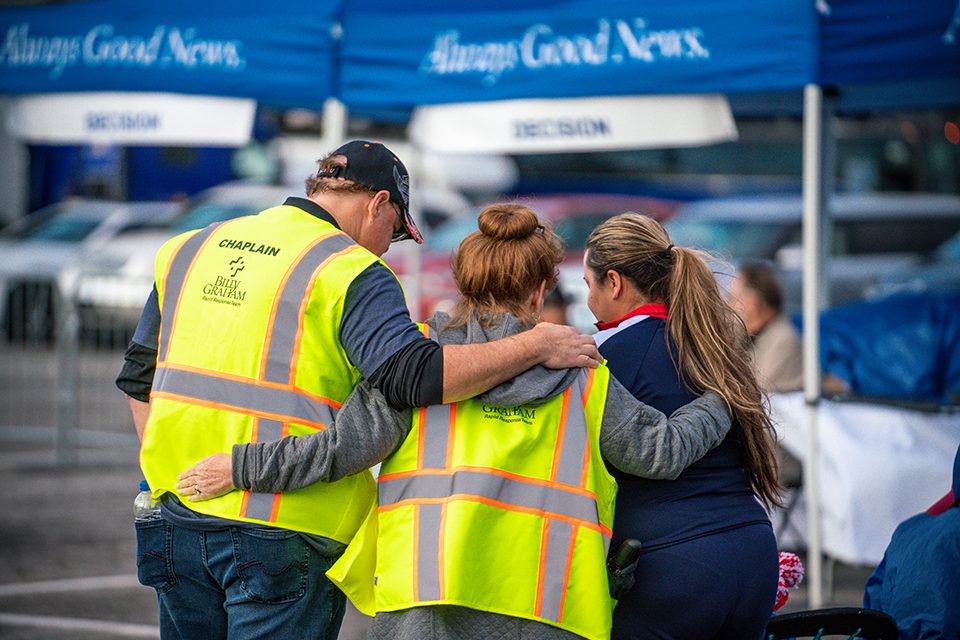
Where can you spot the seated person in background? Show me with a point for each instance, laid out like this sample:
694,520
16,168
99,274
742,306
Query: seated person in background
918,580
757,298
555,307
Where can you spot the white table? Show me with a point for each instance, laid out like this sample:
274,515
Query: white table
878,466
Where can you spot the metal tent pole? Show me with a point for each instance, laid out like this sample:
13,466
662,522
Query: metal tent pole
813,217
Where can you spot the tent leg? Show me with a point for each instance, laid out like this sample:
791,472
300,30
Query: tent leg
334,124
813,199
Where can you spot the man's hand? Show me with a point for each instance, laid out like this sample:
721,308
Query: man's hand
565,347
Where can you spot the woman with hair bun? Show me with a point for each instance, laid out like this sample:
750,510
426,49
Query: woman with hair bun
494,513
709,565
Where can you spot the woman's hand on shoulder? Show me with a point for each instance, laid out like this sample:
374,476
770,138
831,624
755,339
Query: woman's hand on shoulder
209,478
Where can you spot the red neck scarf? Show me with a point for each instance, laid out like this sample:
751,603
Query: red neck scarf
652,310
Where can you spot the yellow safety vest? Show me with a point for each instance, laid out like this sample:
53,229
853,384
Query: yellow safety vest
249,351
506,510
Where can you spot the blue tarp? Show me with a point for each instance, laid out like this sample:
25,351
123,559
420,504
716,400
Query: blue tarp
279,54
904,347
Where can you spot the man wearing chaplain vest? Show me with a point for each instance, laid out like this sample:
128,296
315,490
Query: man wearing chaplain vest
259,329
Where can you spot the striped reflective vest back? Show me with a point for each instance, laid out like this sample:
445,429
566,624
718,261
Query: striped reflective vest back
249,351
505,510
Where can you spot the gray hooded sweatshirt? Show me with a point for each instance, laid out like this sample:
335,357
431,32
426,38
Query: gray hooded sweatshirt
634,438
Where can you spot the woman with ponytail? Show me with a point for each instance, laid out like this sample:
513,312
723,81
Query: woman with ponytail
709,565
495,514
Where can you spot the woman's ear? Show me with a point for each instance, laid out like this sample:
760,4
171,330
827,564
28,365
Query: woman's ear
537,298
615,282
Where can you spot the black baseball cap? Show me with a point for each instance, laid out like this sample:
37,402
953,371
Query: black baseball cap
373,165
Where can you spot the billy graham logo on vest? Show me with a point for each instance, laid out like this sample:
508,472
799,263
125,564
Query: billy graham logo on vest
615,41
226,289
509,414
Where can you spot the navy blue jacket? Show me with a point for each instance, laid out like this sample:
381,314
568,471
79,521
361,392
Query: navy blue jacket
918,580
711,495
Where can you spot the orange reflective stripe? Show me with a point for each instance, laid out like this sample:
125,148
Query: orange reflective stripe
558,447
275,507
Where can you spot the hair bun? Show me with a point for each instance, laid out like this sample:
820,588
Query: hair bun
507,222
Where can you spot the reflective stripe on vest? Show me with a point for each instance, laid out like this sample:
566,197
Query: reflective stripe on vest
563,502
272,399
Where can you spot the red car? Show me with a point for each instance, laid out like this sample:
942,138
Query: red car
574,217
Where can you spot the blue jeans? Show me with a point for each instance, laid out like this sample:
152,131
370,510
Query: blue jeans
239,582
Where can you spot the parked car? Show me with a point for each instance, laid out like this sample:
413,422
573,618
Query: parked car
35,251
574,215
873,235
112,284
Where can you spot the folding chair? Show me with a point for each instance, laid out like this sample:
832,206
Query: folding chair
851,622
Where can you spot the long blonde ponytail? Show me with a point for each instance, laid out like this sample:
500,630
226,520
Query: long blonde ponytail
711,341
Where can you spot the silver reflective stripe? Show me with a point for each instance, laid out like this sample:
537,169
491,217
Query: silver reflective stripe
269,430
436,436
260,505
428,552
176,275
287,319
555,568
574,444
487,485
243,395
